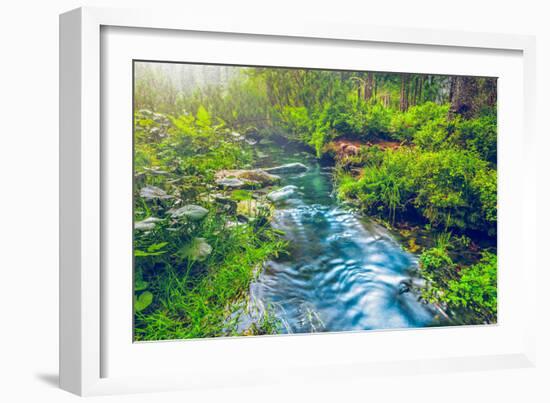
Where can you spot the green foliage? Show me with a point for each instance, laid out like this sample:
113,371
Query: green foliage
446,194
191,275
142,301
383,188
318,139
471,292
475,292
377,120
203,118
360,118
140,285
405,125
443,240
241,194
347,186
297,122
479,135
152,250
436,265
432,135
448,188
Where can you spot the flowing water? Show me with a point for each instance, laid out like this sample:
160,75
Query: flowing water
344,272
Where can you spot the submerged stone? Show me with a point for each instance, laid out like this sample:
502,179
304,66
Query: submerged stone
403,287
282,194
293,167
190,211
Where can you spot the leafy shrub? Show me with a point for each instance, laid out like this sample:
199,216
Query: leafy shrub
445,191
317,141
297,122
470,293
360,118
347,186
433,135
485,186
404,125
199,148
448,188
476,289
345,116
377,120
436,265
479,135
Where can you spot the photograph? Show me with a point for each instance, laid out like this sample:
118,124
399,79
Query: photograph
273,200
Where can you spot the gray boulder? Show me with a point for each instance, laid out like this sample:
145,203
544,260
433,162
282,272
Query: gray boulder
146,225
190,211
248,177
230,183
293,167
153,192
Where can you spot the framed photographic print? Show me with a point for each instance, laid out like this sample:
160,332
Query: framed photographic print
240,202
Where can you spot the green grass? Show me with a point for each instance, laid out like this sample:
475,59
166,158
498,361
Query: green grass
202,304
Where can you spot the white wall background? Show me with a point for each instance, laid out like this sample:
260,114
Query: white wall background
29,201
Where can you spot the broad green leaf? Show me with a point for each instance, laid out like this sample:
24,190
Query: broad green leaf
140,285
157,246
139,253
143,301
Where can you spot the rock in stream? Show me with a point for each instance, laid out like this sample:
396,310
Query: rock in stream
291,168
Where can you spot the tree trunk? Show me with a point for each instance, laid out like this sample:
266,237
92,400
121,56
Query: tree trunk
404,101
463,96
490,88
369,84
452,89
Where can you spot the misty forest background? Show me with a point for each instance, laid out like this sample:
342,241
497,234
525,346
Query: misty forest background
417,152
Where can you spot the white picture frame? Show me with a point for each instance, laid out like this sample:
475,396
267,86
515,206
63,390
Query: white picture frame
86,346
